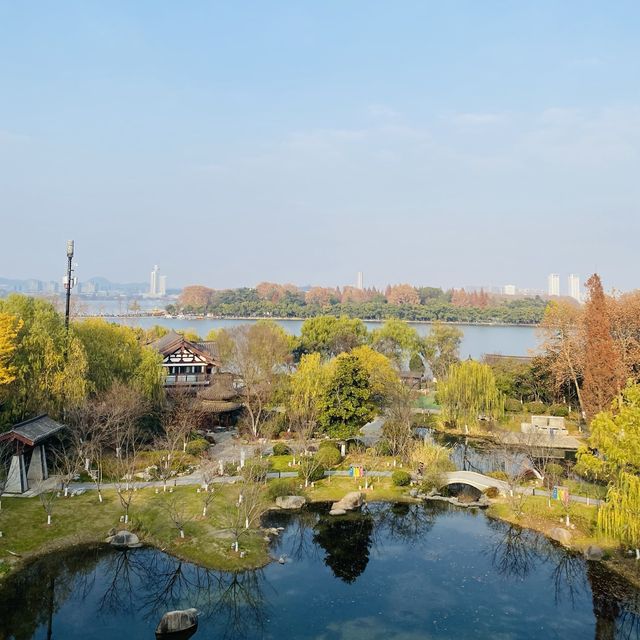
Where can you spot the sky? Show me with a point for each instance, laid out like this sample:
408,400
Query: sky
436,143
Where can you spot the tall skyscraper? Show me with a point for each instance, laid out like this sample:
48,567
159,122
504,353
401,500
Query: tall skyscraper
162,288
509,289
154,281
554,284
574,286
360,280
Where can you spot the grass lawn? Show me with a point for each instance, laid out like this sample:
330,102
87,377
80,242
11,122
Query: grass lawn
332,489
83,519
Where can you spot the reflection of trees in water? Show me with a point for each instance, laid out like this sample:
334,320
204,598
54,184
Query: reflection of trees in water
405,522
150,583
30,598
143,583
346,541
616,605
515,551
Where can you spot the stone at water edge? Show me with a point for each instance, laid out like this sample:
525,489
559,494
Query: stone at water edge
291,502
351,501
177,621
124,539
560,535
337,512
593,552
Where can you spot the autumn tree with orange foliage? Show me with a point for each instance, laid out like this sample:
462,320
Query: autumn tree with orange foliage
196,296
273,292
402,294
603,373
462,298
624,315
322,296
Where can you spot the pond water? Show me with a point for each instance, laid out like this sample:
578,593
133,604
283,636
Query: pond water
477,339
393,571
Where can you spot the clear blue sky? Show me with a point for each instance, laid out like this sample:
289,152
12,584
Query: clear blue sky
444,143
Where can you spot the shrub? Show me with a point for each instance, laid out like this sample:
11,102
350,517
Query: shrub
197,447
355,446
498,475
281,449
560,410
491,492
284,487
329,444
383,448
513,405
255,470
328,456
536,407
400,478
230,469
431,479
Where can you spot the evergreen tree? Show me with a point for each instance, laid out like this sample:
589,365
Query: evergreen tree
348,402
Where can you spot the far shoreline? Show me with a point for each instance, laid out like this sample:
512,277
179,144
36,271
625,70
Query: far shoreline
197,318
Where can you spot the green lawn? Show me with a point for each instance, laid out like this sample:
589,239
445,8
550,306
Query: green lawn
83,519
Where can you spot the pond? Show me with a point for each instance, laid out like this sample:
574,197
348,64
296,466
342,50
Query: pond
393,571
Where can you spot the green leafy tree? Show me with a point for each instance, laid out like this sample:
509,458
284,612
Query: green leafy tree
468,392
331,336
49,364
396,340
115,354
347,403
613,454
441,348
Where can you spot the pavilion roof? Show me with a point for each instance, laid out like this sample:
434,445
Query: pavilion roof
173,341
33,431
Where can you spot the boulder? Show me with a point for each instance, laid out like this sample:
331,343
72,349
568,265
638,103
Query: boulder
592,552
351,501
291,502
560,535
125,540
177,622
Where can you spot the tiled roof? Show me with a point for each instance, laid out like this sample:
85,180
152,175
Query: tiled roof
33,431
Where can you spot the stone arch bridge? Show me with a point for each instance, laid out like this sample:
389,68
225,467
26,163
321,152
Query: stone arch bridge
477,480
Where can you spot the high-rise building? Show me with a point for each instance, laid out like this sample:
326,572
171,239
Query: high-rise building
554,284
574,286
154,281
360,280
162,288
509,289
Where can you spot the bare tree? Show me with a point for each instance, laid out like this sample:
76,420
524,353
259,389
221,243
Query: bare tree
241,516
67,464
259,354
177,512
398,429
206,498
47,499
127,448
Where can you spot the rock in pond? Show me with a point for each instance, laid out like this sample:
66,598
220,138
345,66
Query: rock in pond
125,540
561,535
593,552
291,502
351,501
178,624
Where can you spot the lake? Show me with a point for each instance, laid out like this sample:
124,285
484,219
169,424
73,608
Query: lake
394,571
477,339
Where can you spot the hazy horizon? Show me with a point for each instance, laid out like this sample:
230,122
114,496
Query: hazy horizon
467,144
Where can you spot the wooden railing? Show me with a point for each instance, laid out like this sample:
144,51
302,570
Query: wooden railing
173,380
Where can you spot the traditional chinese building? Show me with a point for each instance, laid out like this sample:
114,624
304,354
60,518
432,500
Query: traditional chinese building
187,363
28,442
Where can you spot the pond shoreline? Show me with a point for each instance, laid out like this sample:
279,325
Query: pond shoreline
540,525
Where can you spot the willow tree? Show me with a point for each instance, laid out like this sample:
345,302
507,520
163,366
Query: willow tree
613,454
469,392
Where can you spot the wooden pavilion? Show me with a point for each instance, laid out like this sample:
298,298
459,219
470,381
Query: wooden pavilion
28,441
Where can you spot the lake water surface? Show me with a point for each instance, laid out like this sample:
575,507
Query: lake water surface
393,571
477,339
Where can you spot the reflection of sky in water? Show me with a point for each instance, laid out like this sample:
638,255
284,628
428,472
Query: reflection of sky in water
423,572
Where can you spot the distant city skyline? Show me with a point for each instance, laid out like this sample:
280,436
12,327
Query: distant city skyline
432,143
